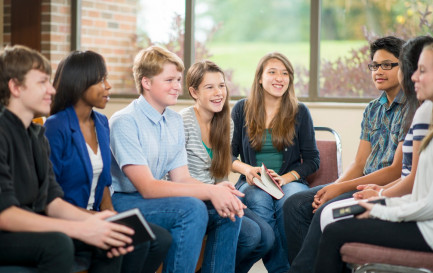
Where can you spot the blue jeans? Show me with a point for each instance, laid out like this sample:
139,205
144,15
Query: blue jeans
302,228
185,218
222,238
271,210
256,238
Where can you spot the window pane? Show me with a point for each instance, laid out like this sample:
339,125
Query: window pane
236,34
161,23
345,28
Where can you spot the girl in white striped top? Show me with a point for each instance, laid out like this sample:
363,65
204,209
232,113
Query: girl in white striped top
208,130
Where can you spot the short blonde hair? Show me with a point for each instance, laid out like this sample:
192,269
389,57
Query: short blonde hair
149,62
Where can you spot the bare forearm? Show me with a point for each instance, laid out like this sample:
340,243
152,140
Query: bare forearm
380,177
354,171
162,188
15,219
61,209
404,187
239,167
389,185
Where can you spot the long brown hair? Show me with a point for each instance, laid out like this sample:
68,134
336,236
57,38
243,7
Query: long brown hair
283,123
429,136
220,125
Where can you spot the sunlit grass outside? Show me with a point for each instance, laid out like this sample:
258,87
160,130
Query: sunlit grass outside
242,58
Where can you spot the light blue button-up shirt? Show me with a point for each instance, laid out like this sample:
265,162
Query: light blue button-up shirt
140,135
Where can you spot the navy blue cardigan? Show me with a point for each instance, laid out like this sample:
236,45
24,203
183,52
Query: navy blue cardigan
302,156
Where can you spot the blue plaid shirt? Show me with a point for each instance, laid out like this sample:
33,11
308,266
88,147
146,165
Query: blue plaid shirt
382,126
140,135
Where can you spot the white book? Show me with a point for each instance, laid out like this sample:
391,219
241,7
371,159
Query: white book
268,183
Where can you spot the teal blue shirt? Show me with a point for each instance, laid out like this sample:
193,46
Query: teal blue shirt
269,155
208,150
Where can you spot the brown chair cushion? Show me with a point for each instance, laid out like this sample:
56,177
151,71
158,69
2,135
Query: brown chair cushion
328,169
358,253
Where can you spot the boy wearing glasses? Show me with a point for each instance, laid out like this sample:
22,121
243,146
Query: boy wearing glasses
377,161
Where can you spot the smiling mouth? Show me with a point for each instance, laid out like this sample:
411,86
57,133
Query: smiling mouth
217,101
279,86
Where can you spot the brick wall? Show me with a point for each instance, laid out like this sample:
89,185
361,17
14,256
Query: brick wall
107,27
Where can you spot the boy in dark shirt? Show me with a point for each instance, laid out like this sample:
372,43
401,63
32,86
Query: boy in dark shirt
38,228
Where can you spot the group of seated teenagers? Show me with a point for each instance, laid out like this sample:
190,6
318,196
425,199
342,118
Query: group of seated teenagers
59,182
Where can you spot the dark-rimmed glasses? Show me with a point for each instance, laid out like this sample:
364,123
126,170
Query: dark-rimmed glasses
385,66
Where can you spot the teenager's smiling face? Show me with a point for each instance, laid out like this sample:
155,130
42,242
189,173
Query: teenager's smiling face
211,93
163,89
36,92
386,80
275,78
423,76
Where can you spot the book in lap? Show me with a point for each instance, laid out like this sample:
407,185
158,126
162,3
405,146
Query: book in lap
353,209
134,219
268,184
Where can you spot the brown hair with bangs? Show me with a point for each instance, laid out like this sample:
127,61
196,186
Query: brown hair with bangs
283,123
15,63
219,135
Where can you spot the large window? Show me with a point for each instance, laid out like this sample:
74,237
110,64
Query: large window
326,40
346,27
236,40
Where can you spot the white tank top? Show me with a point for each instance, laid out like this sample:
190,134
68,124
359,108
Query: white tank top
97,165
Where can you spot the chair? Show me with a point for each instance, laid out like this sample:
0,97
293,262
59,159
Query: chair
330,159
371,258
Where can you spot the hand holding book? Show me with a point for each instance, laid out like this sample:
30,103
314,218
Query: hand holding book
356,209
268,183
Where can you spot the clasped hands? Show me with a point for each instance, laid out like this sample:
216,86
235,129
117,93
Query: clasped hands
224,197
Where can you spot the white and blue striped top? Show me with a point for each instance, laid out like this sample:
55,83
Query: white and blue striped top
199,161
418,130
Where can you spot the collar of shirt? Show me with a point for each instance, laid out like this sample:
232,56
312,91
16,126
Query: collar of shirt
151,113
399,99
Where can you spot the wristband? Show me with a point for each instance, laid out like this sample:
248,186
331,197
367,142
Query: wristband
294,175
380,192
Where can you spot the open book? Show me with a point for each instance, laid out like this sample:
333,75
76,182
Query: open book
134,219
268,184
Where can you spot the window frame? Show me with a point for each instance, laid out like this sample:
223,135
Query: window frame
314,74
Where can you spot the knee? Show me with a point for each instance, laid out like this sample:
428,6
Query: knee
250,234
58,240
195,211
254,195
267,239
296,203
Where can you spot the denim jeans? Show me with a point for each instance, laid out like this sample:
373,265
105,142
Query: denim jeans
271,210
256,238
302,228
185,218
222,238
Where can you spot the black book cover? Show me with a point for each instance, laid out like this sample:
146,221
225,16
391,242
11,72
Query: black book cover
353,209
135,220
